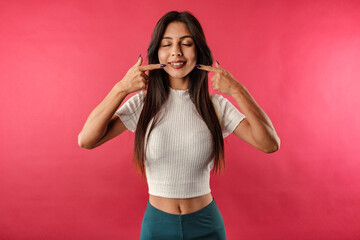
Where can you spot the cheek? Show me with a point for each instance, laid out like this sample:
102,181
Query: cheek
192,55
192,59
162,56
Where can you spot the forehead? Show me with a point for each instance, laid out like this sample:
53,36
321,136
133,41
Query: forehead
176,30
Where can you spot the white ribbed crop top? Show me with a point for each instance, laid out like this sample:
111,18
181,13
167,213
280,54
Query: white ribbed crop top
178,154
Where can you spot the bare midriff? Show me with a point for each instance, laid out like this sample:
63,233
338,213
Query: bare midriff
180,205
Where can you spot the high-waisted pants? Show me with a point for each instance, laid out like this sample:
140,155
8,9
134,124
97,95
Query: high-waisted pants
206,223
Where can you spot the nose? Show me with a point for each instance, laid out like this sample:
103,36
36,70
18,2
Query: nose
176,51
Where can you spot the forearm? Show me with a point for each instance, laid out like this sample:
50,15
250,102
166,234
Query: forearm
96,124
262,128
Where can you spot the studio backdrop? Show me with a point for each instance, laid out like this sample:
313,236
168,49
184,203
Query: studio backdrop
300,60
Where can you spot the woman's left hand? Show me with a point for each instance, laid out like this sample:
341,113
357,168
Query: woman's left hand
223,81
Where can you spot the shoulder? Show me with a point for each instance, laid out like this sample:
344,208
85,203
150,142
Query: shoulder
217,97
223,105
140,94
137,98
219,104
134,102
218,100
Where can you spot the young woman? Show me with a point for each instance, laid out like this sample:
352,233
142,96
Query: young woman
179,128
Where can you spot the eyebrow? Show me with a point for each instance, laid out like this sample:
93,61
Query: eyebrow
187,36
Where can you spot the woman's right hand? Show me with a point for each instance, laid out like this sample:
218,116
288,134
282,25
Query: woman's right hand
136,79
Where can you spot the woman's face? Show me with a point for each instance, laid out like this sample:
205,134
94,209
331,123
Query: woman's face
177,45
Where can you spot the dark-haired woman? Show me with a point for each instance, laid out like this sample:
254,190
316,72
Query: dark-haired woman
179,128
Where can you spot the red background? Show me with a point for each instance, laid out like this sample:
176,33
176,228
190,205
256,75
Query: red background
298,59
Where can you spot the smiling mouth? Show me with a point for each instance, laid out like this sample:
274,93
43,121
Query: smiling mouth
178,63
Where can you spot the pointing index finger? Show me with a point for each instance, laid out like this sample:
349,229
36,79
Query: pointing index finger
208,68
150,67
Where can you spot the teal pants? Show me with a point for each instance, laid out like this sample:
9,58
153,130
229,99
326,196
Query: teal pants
206,223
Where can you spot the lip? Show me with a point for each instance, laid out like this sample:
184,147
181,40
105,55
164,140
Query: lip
178,66
178,61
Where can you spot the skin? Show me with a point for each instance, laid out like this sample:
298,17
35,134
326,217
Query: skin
176,46
103,125
256,129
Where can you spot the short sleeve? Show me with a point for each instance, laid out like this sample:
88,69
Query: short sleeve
129,112
229,116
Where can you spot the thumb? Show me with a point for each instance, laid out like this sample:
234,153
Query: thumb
139,62
217,64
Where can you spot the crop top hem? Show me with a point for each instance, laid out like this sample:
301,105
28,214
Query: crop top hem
193,195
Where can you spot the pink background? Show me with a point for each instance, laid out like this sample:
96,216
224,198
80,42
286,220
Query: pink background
300,60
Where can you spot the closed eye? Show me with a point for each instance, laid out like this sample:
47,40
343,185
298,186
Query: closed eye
183,44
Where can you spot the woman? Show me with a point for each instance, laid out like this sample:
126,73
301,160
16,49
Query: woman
179,128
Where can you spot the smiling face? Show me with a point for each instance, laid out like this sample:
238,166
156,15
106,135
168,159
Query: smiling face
177,45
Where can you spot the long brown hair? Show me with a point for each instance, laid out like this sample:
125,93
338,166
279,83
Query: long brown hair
158,91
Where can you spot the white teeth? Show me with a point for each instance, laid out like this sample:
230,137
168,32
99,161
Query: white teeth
178,63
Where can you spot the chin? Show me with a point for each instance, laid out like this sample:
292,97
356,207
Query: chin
176,75
179,75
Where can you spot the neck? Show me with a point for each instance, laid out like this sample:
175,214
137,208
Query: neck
179,83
